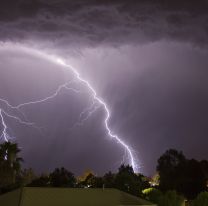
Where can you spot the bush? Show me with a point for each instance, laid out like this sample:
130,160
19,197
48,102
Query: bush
152,194
201,200
171,198
9,188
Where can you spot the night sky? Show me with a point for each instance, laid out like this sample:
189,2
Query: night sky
148,60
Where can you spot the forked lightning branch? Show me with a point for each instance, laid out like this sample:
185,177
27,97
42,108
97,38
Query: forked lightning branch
12,110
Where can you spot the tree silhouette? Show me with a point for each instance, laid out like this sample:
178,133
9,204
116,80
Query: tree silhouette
178,173
109,180
10,163
126,180
62,178
169,165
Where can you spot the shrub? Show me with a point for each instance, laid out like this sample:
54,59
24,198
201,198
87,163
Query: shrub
152,194
201,200
171,198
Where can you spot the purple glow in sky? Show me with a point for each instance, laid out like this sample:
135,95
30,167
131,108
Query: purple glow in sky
147,62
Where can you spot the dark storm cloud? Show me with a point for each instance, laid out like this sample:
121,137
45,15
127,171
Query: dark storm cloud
84,23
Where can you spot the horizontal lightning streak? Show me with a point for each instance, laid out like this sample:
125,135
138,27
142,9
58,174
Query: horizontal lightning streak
4,133
17,119
63,86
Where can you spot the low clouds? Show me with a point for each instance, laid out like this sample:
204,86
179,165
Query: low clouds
94,23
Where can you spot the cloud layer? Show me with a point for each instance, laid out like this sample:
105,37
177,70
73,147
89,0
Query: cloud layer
79,23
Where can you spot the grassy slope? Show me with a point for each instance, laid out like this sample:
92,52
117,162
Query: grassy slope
64,196
77,197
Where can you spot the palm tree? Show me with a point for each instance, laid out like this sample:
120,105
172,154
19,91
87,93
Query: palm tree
10,163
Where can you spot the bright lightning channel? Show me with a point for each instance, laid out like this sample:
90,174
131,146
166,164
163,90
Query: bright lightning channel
91,109
4,134
107,111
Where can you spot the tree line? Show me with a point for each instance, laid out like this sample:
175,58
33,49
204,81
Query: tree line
177,179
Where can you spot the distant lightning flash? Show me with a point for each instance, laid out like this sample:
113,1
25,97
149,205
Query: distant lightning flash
96,103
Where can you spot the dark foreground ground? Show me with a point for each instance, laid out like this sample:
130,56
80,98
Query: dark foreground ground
65,197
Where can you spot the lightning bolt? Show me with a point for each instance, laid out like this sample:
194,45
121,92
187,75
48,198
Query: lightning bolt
4,134
97,102
107,111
